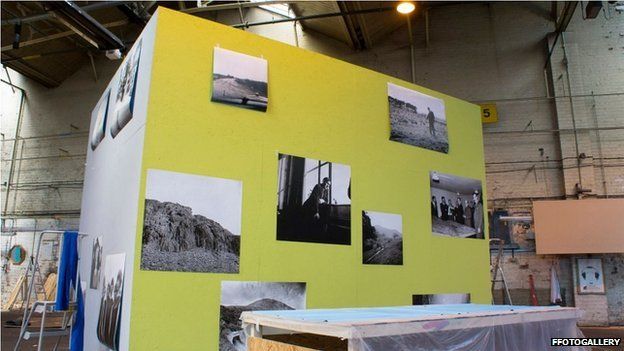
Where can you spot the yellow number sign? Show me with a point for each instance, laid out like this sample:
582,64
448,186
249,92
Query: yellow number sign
489,113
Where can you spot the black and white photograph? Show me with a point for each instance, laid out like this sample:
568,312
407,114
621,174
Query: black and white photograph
417,119
238,297
99,128
192,223
440,299
456,206
240,80
126,88
96,263
382,238
314,201
110,303
590,276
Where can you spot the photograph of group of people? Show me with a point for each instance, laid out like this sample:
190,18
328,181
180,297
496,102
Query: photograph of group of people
456,206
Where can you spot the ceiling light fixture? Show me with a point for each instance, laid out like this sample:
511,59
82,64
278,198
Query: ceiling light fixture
406,7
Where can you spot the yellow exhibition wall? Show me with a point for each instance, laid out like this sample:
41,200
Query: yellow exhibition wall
320,108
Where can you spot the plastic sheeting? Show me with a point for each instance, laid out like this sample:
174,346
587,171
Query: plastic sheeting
459,327
509,337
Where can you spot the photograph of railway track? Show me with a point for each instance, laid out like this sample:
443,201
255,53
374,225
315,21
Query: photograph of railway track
382,238
240,80
417,119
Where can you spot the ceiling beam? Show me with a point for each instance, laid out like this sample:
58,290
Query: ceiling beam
309,17
47,15
74,17
59,35
561,25
30,72
355,24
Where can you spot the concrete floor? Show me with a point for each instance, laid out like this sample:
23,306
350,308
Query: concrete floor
605,332
10,335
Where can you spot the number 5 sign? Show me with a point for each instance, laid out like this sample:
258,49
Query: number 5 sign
489,113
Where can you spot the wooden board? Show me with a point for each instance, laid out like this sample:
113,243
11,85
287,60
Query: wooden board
13,297
579,226
257,344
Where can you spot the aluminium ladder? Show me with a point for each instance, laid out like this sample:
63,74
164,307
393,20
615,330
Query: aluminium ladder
45,306
496,267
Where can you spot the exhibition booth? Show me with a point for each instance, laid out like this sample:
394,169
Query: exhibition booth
230,173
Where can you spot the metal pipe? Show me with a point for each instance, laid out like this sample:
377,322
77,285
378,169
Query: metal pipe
296,34
317,16
48,15
45,157
53,136
18,126
546,83
60,35
13,86
576,146
48,213
232,6
534,98
515,218
427,27
568,11
549,130
599,140
411,42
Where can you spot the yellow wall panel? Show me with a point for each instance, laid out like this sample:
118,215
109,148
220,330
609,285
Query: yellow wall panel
319,108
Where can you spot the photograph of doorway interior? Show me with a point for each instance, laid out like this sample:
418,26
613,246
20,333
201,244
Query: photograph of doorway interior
313,201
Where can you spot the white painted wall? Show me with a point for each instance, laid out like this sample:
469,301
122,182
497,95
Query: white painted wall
111,194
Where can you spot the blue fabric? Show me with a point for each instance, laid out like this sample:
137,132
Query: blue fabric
68,268
365,314
76,342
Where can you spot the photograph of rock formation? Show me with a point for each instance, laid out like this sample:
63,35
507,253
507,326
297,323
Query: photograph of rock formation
417,119
240,80
237,297
191,223
382,238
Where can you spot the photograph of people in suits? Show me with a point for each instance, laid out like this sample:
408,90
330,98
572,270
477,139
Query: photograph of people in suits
462,217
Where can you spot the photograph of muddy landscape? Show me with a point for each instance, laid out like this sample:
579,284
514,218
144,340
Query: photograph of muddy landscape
240,80
382,238
313,201
456,206
191,223
417,119
238,297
